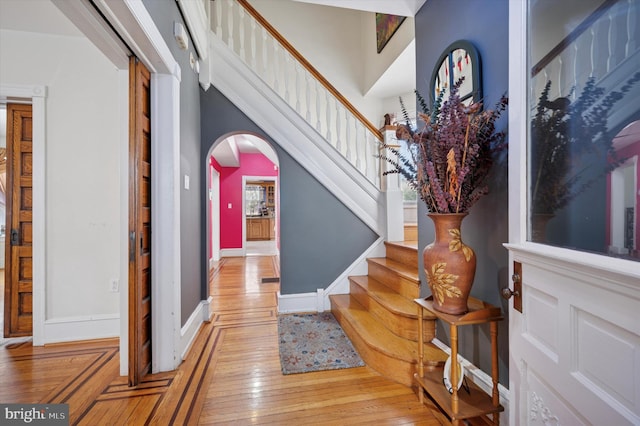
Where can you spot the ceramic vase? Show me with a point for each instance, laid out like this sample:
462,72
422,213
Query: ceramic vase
450,265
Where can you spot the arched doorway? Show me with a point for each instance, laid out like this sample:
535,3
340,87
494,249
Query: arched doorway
242,197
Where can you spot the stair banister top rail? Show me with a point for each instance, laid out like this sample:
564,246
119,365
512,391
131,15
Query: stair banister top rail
304,62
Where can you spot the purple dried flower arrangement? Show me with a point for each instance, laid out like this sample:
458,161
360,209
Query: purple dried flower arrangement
451,156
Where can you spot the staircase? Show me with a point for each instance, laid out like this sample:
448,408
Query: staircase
271,83
380,317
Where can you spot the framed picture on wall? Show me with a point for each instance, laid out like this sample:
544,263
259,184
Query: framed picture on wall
386,27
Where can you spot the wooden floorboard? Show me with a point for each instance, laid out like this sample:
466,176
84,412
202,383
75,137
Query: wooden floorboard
231,375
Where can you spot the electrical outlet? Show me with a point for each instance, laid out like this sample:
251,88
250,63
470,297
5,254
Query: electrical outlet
115,286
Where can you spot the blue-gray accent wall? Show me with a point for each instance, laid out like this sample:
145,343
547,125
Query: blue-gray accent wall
164,14
320,237
485,24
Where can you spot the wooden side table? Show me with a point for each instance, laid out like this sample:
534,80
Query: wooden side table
460,405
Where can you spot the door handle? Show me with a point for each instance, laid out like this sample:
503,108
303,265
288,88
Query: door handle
516,293
132,246
507,293
15,238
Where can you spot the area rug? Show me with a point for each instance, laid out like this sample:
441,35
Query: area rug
314,342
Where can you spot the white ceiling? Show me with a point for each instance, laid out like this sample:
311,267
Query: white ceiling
393,7
39,16
227,152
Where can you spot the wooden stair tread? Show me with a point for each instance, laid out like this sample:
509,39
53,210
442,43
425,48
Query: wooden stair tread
401,269
377,336
407,244
391,300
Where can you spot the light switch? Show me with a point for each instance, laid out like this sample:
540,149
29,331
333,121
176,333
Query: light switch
229,205
186,181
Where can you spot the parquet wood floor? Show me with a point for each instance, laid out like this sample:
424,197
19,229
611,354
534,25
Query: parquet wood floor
231,376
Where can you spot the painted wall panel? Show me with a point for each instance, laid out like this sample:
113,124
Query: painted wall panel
83,149
320,237
192,240
485,25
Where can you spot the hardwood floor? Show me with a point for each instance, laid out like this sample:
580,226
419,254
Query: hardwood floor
231,375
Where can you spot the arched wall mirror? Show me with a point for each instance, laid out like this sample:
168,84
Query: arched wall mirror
459,59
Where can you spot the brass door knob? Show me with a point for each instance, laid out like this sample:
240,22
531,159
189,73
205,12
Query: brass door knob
507,293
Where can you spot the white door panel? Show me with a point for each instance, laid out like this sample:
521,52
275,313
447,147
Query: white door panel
575,348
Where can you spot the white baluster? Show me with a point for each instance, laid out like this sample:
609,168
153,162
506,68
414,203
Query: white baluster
243,53
230,24
613,39
287,57
307,91
593,50
366,161
347,126
338,135
377,171
218,6
264,53
559,88
297,94
328,106
358,142
253,44
369,157
632,24
575,63
276,67
582,63
318,125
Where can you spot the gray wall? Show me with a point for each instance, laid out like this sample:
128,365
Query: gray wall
485,24
320,237
164,14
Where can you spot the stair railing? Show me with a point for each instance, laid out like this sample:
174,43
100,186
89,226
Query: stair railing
581,54
271,57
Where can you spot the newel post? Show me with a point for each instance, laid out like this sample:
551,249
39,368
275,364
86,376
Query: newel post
391,188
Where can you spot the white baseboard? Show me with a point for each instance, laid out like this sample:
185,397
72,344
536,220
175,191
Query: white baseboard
301,302
189,331
235,252
481,379
319,301
73,329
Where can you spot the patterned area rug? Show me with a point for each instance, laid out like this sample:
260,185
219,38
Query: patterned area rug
314,342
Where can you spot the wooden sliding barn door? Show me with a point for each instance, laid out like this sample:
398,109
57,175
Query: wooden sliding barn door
18,305
139,222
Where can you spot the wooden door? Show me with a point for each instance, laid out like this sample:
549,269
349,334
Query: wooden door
18,305
139,222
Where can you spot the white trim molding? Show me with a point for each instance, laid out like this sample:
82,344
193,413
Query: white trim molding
190,330
359,267
81,328
301,302
319,301
196,15
233,252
